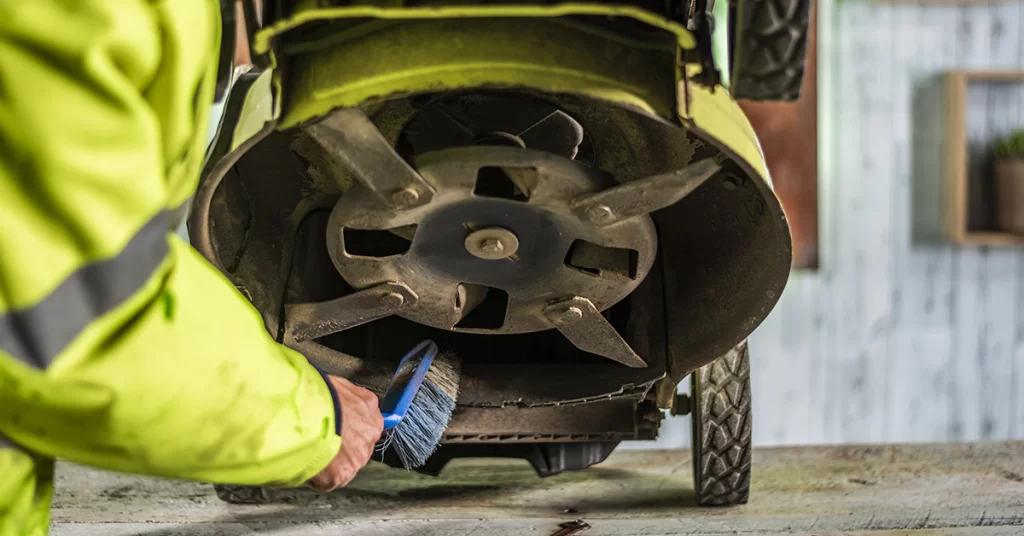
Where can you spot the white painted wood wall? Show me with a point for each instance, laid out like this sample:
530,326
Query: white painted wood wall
899,337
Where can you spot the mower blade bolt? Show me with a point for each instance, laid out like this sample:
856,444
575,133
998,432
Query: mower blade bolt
572,313
392,299
492,243
312,320
405,197
599,214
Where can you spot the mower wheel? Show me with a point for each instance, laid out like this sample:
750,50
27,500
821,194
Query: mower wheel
768,43
720,402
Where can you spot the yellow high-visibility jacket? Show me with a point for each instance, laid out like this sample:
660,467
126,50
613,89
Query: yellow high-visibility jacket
120,346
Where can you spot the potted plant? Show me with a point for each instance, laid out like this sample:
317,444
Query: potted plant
1009,187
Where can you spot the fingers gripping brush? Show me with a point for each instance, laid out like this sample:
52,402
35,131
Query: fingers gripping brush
419,403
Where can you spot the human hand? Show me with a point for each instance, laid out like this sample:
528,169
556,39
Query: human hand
361,428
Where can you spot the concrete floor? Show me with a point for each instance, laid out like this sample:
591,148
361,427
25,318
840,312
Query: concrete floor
968,489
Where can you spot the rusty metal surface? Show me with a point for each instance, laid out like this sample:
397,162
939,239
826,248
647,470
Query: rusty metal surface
738,234
496,386
306,321
745,255
634,146
437,261
497,371
607,420
461,120
352,144
642,196
581,322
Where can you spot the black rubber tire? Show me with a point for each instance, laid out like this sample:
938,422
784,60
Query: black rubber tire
244,494
768,44
720,401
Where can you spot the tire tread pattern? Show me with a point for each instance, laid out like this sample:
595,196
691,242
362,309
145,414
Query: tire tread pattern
770,46
722,429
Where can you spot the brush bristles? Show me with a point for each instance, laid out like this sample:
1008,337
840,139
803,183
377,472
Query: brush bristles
419,433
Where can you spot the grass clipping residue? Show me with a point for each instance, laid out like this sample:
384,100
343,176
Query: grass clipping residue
319,166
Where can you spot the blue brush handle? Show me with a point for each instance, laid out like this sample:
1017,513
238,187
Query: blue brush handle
406,382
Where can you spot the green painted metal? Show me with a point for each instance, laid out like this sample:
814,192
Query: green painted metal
418,56
354,55
306,12
363,53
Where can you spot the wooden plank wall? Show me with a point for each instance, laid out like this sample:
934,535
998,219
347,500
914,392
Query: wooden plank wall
900,337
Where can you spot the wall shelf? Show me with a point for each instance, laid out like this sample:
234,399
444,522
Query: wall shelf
965,206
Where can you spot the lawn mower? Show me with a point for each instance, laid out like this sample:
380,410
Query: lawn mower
565,195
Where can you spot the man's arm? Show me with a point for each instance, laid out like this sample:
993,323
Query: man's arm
120,347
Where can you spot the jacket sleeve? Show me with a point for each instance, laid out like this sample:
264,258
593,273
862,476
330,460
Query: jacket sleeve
120,347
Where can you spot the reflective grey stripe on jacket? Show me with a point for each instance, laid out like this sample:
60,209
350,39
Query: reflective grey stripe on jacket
38,334
176,217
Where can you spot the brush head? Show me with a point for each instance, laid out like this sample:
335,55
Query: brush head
417,436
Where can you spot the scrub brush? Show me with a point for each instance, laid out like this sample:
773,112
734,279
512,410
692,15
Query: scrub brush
419,403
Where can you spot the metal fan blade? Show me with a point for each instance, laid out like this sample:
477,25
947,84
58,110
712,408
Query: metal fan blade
588,330
557,133
353,143
306,321
642,196
468,297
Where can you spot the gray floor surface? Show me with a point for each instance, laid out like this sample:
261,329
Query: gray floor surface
965,489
